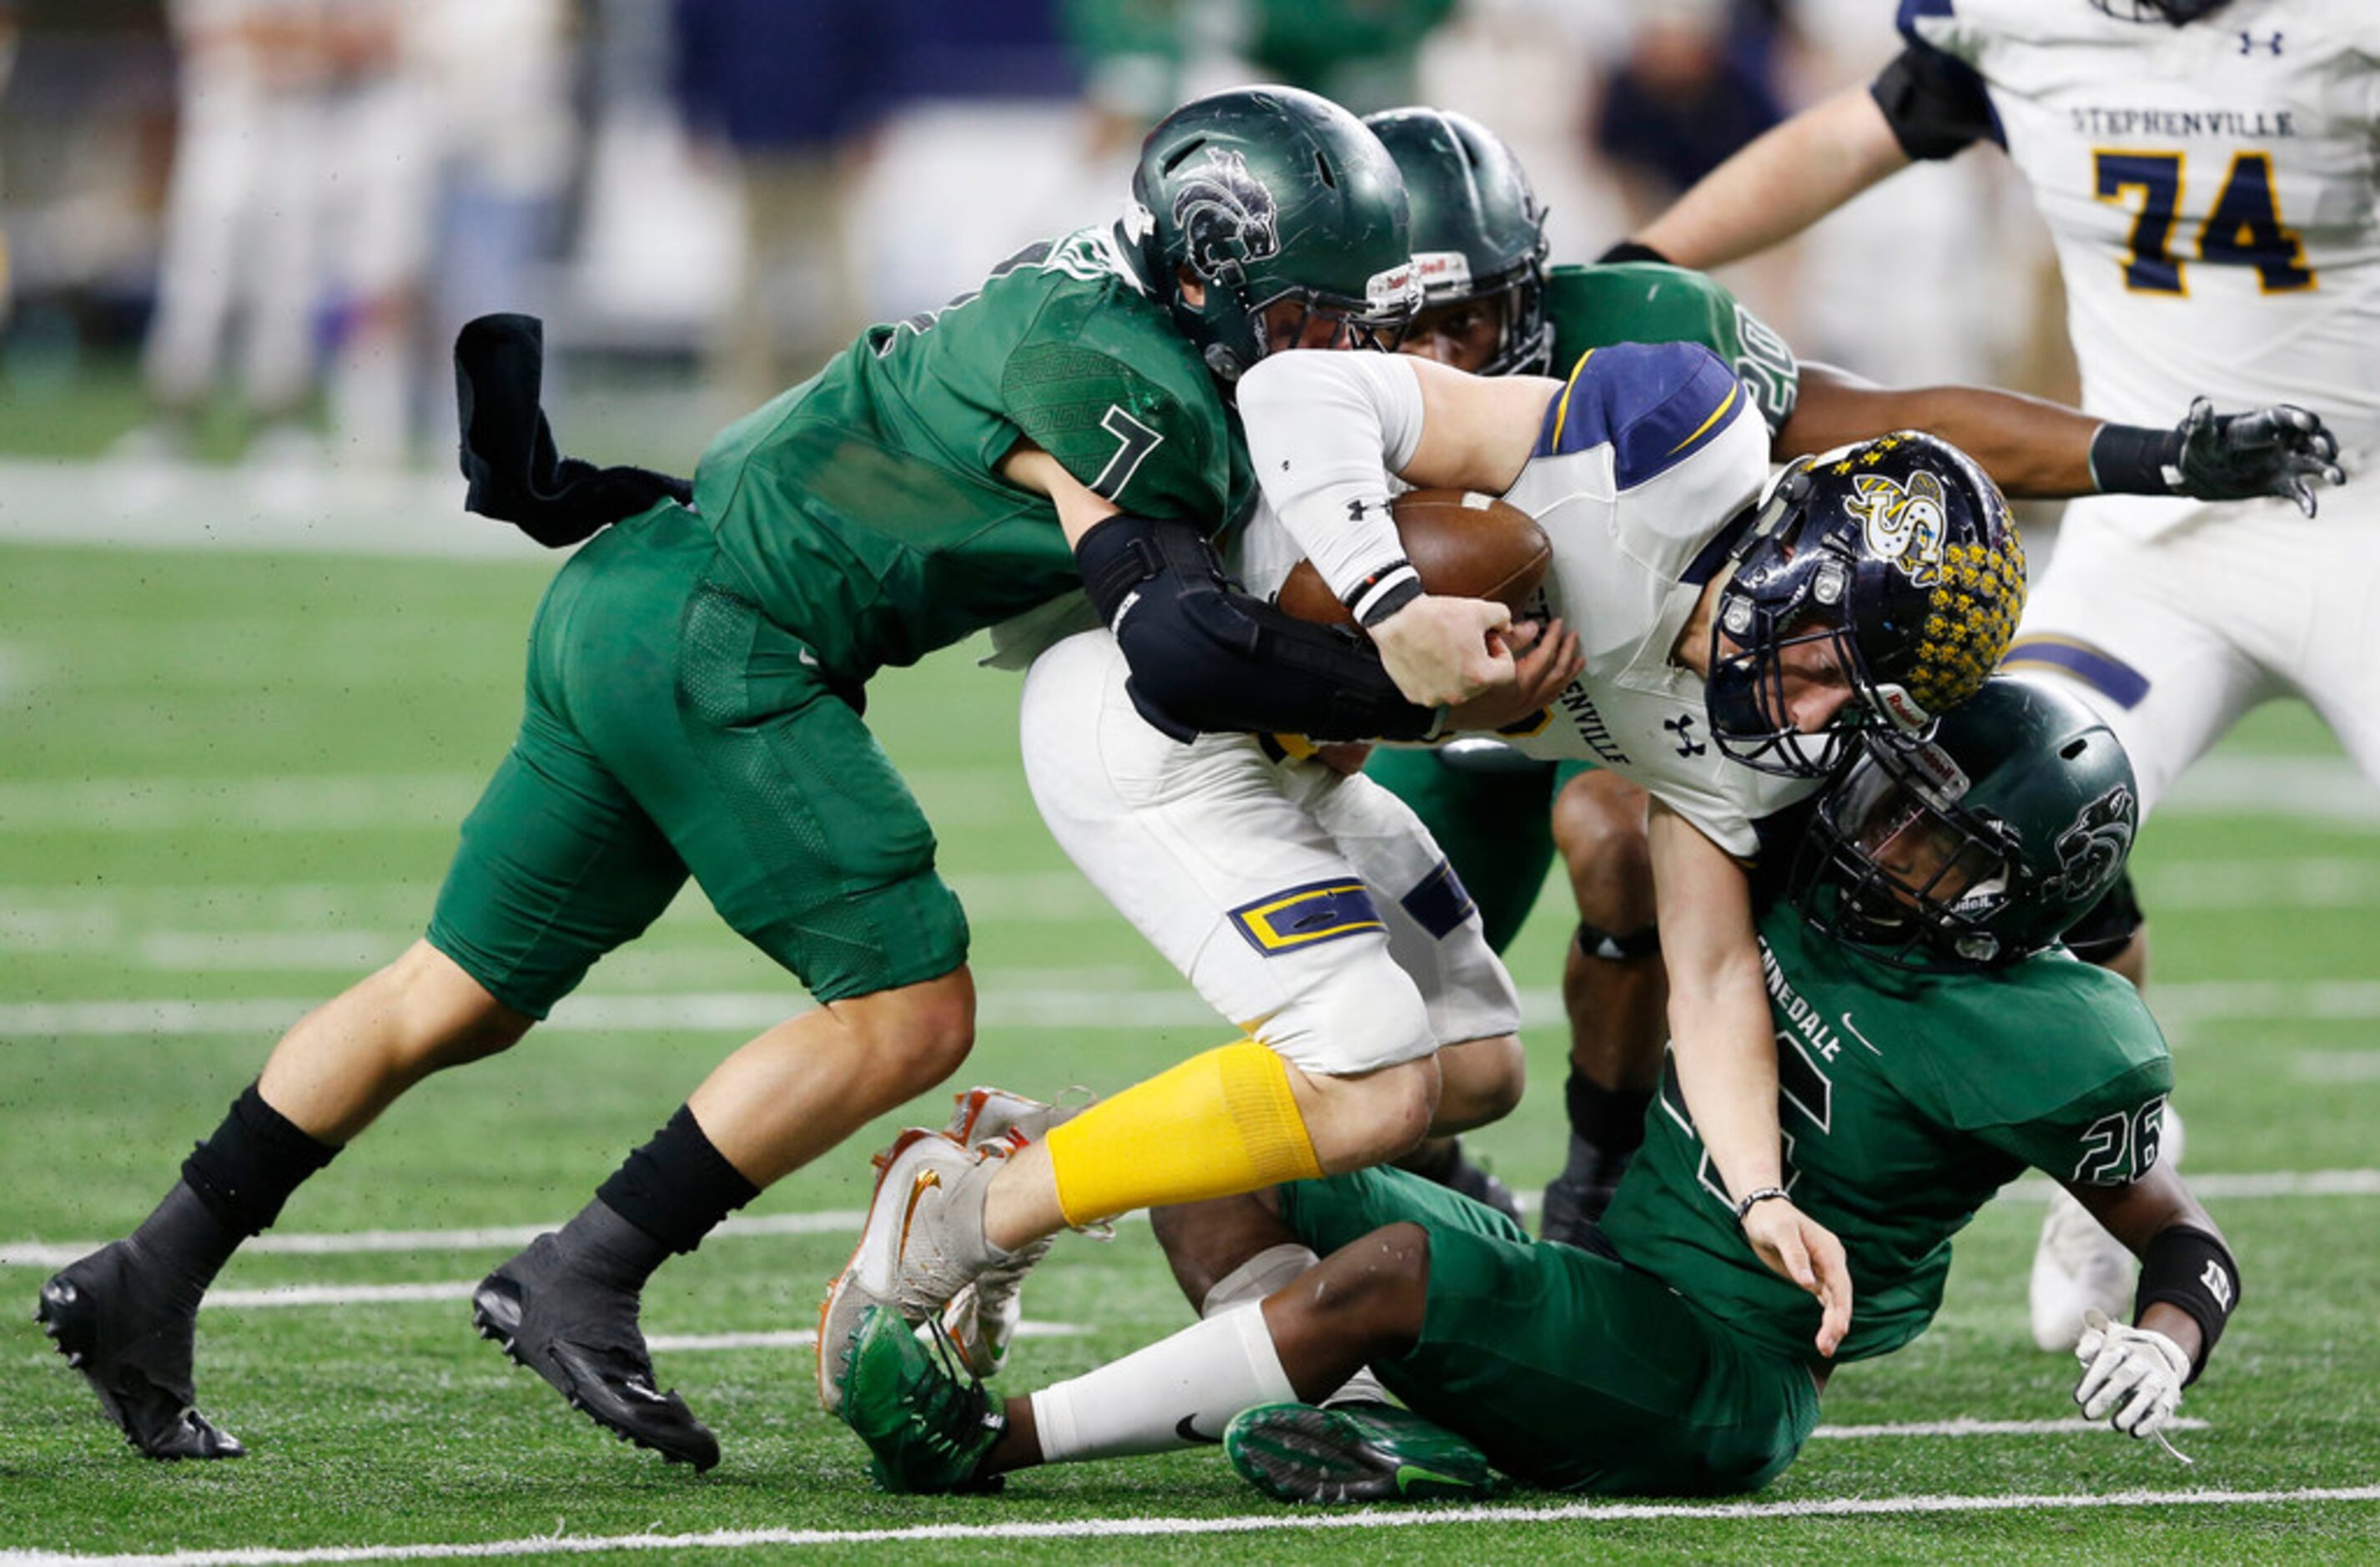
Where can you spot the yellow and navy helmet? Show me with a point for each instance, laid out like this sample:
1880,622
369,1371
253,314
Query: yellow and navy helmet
1979,846
1900,553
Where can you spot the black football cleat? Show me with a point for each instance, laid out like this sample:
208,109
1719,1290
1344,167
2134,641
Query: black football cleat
581,1335
129,1332
1576,1199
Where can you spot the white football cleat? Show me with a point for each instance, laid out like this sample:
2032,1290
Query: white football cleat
2078,1268
986,1114
922,1243
982,1319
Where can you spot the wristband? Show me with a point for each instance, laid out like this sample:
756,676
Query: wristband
1383,593
2131,459
1750,1199
2192,1270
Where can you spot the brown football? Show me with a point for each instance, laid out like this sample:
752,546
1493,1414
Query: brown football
1464,545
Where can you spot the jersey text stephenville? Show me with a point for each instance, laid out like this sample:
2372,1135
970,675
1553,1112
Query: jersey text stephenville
2256,125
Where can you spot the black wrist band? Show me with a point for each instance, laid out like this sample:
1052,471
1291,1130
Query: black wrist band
1745,1204
1388,598
2193,1272
2131,459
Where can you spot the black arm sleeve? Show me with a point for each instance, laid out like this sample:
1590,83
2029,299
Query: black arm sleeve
1208,656
515,474
1936,105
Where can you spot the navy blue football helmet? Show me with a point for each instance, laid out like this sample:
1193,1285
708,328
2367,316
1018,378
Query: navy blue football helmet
1900,553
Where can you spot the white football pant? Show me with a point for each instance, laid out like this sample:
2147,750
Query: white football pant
1313,911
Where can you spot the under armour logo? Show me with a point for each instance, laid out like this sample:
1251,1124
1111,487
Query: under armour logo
2249,43
1687,744
1356,508
2218,1283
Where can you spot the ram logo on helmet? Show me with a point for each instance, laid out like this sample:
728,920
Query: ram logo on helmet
1226,215
2090,850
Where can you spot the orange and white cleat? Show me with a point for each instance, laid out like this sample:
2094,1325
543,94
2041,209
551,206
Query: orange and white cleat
921,1245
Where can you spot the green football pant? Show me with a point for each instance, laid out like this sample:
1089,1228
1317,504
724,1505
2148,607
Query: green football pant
671,729
1571,1370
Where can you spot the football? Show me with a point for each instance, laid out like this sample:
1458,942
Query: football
1464,544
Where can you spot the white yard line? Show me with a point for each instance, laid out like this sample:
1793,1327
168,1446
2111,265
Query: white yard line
1966,1428
505,1237
1098,1005
1283,1521
2228,1187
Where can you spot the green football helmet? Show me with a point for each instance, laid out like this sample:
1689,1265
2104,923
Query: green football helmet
1478,233
1979,846
1286,213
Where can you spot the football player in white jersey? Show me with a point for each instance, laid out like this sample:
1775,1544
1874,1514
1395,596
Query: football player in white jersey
2210,173
1732,647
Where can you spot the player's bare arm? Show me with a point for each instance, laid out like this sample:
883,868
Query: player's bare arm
1781,184
1478,432
2035,449
1725,1055
1079,510
2133,1375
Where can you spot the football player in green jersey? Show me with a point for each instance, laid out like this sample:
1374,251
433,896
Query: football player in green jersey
693,710
1935,1042
1495,307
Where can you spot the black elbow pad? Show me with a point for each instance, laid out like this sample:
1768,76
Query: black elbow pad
1206,655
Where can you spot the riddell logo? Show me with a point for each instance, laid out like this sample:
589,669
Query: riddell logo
1902,708
1442,269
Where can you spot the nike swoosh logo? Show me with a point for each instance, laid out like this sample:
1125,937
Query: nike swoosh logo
1407,1473
1862,1039
926,1180
1189,1433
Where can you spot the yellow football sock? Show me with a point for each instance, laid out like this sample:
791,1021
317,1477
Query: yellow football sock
1219,1124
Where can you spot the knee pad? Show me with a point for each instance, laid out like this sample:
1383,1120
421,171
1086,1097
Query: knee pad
1618,947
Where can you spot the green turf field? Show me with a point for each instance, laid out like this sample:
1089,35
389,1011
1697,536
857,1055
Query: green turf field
228,784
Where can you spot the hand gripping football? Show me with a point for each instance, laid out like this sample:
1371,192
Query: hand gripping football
1464,545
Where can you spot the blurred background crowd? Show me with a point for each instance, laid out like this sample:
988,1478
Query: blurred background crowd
244,231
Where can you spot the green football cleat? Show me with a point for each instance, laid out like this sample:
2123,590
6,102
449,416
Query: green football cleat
1353,1453
928,1425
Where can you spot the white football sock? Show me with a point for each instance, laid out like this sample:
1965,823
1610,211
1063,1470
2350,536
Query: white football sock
1267,1271
1177,1393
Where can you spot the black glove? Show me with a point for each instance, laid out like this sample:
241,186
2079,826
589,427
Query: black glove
2278,449
508,452
2275,450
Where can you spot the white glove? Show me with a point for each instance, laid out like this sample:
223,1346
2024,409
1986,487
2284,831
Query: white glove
2138,1368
